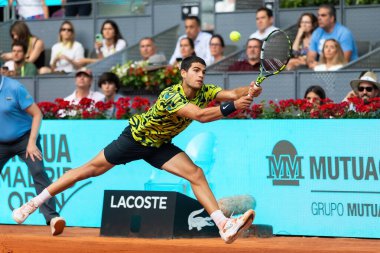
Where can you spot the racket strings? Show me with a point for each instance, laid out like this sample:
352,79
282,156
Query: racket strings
276,52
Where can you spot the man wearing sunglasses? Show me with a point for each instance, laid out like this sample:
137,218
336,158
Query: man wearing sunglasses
366,87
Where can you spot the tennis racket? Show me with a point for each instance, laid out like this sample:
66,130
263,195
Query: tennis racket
275,54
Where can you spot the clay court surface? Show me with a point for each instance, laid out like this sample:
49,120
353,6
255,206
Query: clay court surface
21,238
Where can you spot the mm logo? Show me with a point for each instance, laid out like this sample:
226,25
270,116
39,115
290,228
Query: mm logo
285,164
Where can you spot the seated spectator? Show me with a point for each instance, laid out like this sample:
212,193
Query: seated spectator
264,23
252,62
31,9
148,52
109,83
201,40
18,66
108,42
20,32
216,48
315,94
332,57
366,87
76,10
65,54
187,49
307,23
83,81
112,40
330,29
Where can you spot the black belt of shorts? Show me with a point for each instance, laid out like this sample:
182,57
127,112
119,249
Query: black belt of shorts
15,141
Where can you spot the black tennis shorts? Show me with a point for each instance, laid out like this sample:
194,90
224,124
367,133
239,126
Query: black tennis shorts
125,149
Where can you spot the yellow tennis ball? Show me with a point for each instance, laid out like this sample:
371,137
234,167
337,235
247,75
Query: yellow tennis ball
235,36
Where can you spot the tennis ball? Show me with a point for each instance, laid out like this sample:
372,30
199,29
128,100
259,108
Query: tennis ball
235,36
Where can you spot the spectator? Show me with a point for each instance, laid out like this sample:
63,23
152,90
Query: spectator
76,10
65,54
112,40
20,32
83,81
18,66
365,87
148,52
252,63
109,83
216,48
330,29
201,40
307,23
108,42
187,49
31,9
315,94
332,57
264,23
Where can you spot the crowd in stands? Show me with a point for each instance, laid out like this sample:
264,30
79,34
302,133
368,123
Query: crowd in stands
321,44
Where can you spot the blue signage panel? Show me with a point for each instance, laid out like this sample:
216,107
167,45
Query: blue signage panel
309,177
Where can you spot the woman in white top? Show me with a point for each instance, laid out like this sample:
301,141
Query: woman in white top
332,57
66,53
112,40
31,9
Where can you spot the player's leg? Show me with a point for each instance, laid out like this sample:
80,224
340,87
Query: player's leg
181,165
229,229
93,168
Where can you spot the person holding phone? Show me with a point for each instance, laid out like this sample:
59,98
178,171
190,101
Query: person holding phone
110,41
107,42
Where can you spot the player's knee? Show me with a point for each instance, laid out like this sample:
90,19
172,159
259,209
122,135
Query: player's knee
197,176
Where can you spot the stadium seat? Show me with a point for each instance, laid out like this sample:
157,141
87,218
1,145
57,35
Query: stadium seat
363,47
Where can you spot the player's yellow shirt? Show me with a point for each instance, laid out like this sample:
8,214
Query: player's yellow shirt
160,124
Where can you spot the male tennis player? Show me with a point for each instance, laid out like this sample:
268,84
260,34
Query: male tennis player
149,137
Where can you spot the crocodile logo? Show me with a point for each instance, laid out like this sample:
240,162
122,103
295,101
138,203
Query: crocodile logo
198,222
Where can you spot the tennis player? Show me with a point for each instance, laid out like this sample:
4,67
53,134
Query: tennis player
149,137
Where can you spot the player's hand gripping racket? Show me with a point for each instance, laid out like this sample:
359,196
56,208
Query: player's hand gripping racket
275,54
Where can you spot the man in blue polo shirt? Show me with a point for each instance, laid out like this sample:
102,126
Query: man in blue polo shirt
330,29
20,120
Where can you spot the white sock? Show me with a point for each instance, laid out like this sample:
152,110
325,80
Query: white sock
219,218
42,197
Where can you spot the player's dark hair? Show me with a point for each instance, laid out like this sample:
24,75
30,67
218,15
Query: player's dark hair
194,18
330,8
186,63
267,10
317,90
109,77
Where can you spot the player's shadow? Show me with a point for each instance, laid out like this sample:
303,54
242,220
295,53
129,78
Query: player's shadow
201,149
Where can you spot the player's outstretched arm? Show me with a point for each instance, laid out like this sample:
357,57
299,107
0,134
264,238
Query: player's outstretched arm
228,95
194,112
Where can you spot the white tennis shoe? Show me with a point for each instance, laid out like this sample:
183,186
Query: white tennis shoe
234,227
57,225
20,214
